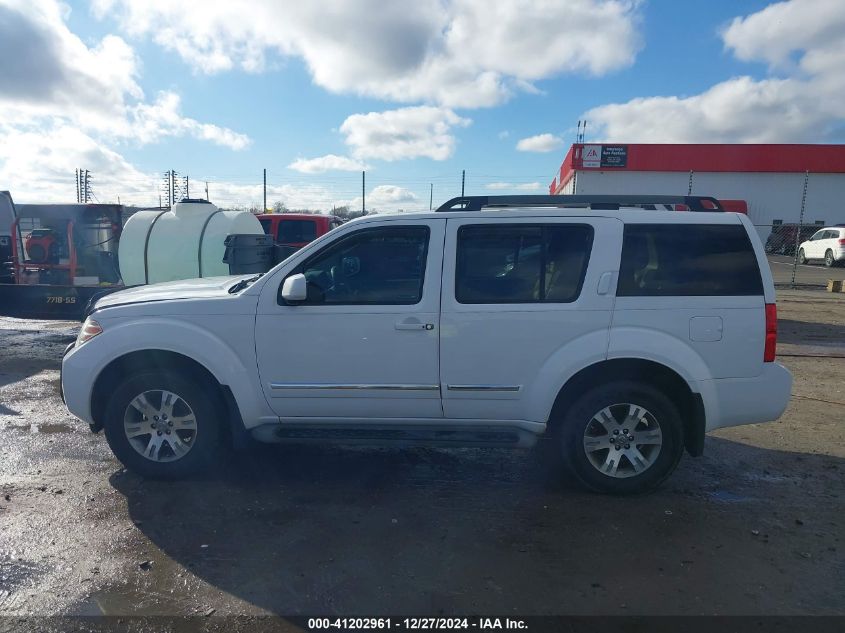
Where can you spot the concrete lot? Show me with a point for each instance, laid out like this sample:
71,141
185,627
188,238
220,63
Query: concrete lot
755,526
808,274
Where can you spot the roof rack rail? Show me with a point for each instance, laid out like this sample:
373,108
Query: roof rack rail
604,202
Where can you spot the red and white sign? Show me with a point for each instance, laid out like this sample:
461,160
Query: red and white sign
591,156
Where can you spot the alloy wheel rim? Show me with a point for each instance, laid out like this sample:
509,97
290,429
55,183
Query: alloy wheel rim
160,425
623,440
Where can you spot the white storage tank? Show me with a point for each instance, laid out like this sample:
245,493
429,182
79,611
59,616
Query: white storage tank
182,243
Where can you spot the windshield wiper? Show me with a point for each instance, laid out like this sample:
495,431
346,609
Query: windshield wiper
243,283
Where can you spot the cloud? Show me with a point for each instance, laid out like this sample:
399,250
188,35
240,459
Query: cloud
775,33
147,123
803,44
414,132
55,75
388,199
391,194
329,162
38,165
540,143
525,186
455,53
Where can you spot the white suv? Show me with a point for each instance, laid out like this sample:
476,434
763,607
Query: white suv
620,334
827,245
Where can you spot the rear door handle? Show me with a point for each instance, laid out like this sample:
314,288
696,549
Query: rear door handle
413,324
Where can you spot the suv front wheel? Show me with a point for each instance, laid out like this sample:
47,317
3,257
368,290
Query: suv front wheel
162,425
622,438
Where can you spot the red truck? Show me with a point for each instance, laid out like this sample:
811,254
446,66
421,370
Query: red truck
295,230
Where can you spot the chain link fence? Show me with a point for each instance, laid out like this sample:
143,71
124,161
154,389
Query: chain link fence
803,255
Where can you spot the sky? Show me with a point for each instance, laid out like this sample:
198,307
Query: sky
412,92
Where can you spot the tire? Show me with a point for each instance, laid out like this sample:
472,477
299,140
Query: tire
801,258
661,451
829,259
195,431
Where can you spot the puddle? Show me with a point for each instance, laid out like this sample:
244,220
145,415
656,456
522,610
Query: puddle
113,602
51,428
728,497
15,573
42,428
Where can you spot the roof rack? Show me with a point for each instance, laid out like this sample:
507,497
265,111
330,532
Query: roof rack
604,202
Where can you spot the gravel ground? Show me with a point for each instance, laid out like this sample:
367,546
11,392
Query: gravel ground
753,527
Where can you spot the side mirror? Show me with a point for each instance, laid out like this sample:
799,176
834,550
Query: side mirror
295,288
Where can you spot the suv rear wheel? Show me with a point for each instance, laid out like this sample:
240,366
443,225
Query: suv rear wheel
829,260
622,438
162,425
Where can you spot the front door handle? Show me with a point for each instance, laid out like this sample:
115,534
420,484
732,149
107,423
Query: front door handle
604,283
413,324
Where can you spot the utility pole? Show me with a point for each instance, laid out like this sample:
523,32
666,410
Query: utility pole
77,185
171,187
206,190
430,196
363,193
463,181
264,208
165,188
86,186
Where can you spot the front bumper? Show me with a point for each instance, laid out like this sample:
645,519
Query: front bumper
77,377
61,369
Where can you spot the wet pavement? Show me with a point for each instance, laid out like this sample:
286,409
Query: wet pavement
753,527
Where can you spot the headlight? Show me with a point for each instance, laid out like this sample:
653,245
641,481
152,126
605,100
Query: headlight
89,330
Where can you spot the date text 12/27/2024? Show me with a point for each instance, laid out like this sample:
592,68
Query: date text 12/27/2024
414,624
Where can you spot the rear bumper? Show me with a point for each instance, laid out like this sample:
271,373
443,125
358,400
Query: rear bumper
736,401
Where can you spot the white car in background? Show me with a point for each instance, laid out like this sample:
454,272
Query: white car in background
827,245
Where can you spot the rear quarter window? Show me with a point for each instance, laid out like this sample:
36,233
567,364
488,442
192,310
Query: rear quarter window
682,260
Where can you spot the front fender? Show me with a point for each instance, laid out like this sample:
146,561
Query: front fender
233,366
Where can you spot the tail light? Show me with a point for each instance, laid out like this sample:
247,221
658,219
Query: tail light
841,242
771,333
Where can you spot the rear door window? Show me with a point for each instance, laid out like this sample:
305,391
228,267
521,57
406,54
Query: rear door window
688,260
520,263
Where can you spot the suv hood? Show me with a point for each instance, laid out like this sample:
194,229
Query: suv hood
206,288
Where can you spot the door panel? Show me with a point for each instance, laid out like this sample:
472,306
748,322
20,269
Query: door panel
366,347
497,359
815,246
